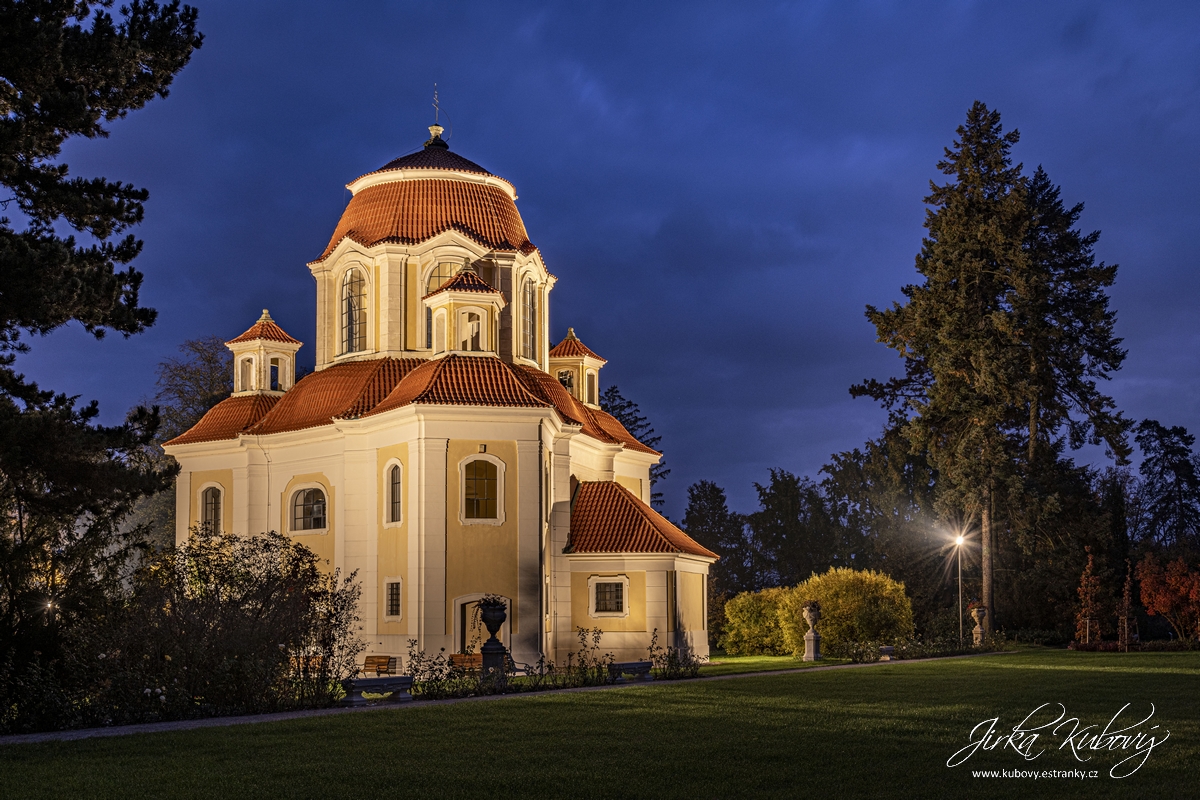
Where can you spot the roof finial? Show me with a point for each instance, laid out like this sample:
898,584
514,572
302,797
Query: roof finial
435,130
571,333
266,315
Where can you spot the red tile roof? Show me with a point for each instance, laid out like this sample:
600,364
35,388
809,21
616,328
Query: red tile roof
413,211
265,328
461,381
343,390
465,280
596,423
366,388
572,347
434,158
607,518
228,418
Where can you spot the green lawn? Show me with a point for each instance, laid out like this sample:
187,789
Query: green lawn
880,731
731,665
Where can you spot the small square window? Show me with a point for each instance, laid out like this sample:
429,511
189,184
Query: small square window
393,599
610,598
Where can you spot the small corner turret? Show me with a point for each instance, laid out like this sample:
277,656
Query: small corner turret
264,358
577,368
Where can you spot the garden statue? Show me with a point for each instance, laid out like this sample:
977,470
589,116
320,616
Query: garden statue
978,613
493,612
812,639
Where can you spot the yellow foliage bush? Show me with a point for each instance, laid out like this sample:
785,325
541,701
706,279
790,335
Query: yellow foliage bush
856,606
752,624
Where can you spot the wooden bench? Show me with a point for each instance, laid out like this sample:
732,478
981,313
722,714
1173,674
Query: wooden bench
379,665
639,670
467,660
398,686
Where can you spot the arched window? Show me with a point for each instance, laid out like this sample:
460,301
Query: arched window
470,331
528,320
591,388
440,274
246,365
354,312
480,490
274,374
308,510
395,492
210,509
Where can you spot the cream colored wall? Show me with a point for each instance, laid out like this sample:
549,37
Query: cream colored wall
222,477
691,601
580,602
320,542
632,484
392,538
481,557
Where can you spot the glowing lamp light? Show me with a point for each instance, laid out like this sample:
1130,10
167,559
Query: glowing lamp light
959,541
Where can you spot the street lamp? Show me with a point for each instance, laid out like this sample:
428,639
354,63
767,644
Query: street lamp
958,543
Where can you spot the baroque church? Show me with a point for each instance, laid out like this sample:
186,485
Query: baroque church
443,449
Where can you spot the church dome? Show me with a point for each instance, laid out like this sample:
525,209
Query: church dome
416,197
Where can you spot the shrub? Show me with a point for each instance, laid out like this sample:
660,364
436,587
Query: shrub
224,624
856,606
752,624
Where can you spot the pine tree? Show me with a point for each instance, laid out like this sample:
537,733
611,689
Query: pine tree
66,70
709,521
628,414
1170,488
1006,337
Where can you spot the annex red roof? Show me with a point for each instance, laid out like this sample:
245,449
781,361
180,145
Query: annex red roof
412,211
228,418
572,347
265,328
461,381
607,518
465,280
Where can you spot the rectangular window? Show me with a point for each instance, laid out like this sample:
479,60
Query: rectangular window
480,490
274,374
610,598
393,599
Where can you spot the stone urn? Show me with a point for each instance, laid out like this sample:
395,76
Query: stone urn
978,613
812,639
493,612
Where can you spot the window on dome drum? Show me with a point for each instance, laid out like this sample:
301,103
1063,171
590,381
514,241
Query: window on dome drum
393,599
471,332
591,388
610,598
441,273
354,312
481,490
528,320
567,378
394,493
308,510
210,509
274,374
439,334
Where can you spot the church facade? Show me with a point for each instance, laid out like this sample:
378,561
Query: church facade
443,449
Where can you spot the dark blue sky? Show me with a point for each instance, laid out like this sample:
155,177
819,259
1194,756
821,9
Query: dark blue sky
721,188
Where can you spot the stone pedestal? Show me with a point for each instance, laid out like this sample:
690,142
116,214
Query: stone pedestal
979,613
812,639
493,652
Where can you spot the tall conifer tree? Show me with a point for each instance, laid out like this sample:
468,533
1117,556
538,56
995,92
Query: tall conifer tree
1004,340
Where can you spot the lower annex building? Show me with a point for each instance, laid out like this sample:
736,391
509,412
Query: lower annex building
442,448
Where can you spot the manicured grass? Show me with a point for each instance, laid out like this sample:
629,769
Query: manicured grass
879,731
731,665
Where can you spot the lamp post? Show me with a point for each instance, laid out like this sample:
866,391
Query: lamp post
958,543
